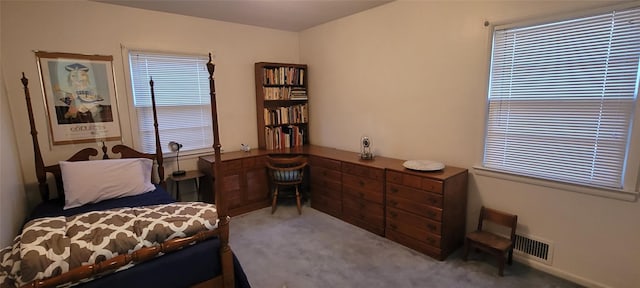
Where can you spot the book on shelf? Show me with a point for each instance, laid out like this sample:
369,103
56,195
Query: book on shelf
298,93
284,93
283,76
284,137
301,77
295,114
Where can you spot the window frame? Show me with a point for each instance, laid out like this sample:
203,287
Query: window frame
133,113
631,184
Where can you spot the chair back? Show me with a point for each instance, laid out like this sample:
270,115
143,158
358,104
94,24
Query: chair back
500,218
286,170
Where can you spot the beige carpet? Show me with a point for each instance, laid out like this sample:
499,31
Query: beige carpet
318,250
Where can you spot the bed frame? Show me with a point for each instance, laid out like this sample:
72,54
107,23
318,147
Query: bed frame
226,280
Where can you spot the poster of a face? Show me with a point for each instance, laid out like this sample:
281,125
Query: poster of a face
80,96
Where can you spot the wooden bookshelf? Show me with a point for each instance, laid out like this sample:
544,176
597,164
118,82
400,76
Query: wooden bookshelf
281,105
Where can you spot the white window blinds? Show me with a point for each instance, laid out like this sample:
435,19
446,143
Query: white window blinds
183,103
561,99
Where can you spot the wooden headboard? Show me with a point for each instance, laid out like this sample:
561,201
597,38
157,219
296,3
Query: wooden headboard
86,153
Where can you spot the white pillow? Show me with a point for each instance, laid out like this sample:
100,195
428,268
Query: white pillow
93,181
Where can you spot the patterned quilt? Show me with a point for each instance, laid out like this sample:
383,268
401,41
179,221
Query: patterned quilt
54,245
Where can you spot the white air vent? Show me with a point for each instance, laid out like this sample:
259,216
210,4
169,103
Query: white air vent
533,248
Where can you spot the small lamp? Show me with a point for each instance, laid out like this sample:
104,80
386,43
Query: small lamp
175,147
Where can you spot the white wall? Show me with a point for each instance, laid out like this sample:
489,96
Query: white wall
86,27
12,197
412,75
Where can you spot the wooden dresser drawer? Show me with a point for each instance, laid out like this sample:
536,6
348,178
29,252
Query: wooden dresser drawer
230,167
326,163
319,172
432,185
327,205
254,162
413,194
415,244
368,209
404,179
414,232
414,207
363,213
411,219
366,189
362,171
327,189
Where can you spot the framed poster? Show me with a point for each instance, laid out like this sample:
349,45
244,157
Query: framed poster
79,92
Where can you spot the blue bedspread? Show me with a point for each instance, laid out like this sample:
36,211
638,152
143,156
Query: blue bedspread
54,207
182,268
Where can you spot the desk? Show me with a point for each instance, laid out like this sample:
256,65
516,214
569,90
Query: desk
422,210
190,175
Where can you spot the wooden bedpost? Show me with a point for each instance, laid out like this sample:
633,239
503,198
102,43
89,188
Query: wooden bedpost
40,173
221,204
159,158
105,155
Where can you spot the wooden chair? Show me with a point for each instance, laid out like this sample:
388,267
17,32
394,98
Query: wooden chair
490,242
286,171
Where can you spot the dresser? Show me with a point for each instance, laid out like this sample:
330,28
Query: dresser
347,187
326,185
426,211
363,196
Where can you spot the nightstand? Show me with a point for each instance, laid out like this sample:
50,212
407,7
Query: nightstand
193,175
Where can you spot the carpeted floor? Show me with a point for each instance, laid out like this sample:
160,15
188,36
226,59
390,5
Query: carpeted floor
317,250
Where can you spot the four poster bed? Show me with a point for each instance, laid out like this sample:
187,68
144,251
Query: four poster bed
147,238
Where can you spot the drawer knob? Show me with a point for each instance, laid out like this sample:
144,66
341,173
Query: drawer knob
431,227
361,183
394,190
393,226
393,202
361,194
393,214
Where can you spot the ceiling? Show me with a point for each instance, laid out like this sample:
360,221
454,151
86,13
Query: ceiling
289,15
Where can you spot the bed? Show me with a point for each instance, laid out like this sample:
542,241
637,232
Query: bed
201,257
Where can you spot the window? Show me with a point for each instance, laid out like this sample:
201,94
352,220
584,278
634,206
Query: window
561,99
183,103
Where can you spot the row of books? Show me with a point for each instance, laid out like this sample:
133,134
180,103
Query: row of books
285,93
298,93
286,115
284,137
283,76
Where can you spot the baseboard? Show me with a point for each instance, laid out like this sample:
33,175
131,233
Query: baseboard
559,273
